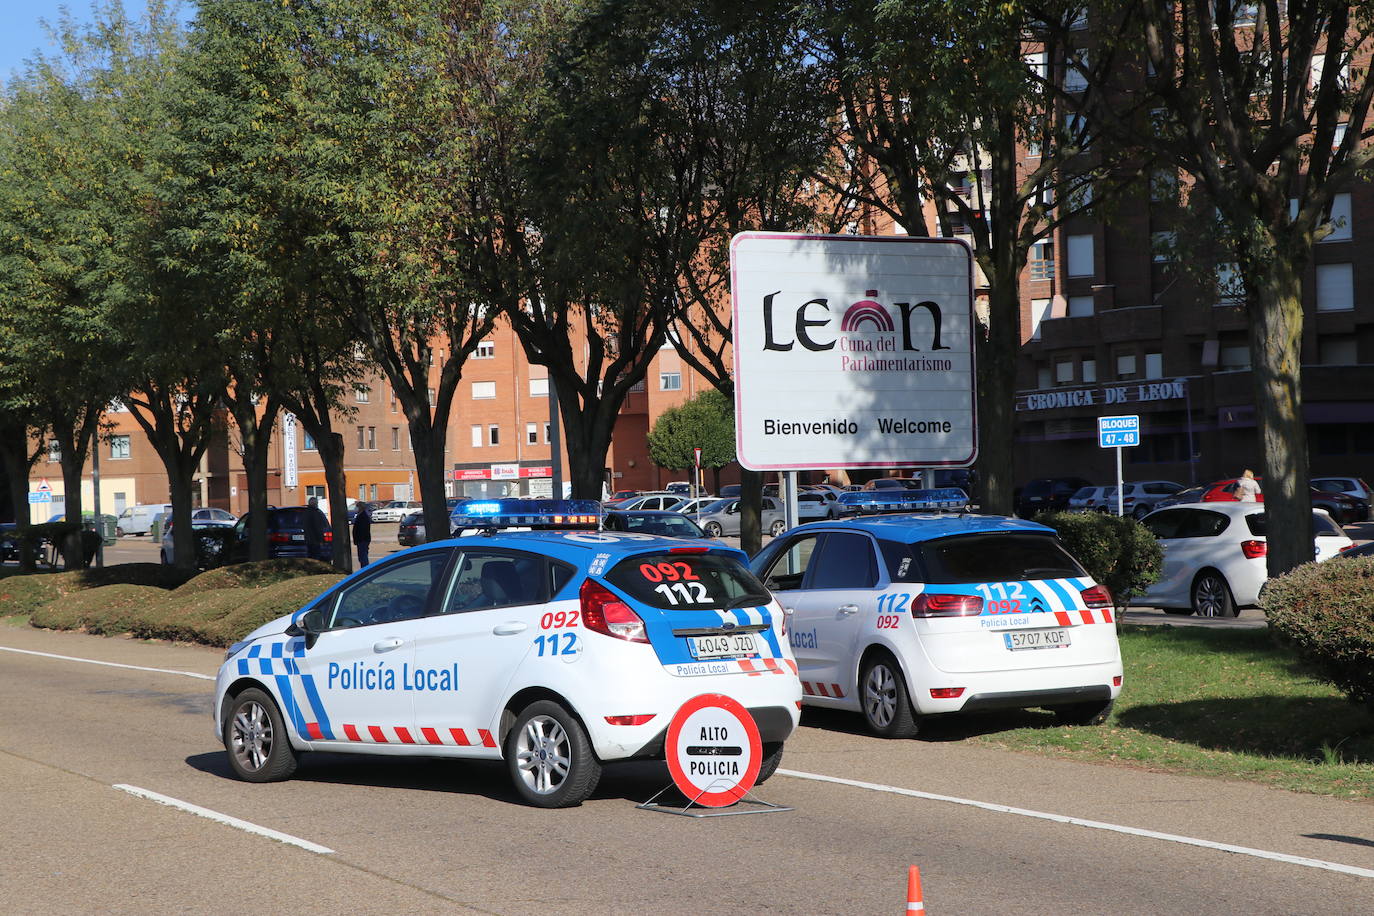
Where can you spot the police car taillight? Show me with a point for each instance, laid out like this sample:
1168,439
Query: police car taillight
603,612
928,605
1097,596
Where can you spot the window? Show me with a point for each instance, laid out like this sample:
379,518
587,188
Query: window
1042,261
1063,371
1040,310
362,437
1074,69
1162,246
397,591
539,387
1043,377
546,433
844,561
483,390
119,446
1089,370
1340,219
362,394
476,435
532,433
362,491
430,392
1236,356
117,406
1154,365
788,570
1037,64
1164,186
488,579
1230,285
393,400
316,491
670,381
1081,256
54,450
1335,288
307,442
1077,127
1125,366
395,438
485,350
1080,18
1337,350
372,438
1080,306
494,434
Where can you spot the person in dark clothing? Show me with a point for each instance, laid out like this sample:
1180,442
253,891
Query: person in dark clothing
314,524
362,532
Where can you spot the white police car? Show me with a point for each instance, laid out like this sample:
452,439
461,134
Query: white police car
555,650
903,616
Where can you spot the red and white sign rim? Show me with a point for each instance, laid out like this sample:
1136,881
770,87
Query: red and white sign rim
732,794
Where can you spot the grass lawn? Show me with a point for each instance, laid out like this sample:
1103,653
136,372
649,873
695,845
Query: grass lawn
1221,703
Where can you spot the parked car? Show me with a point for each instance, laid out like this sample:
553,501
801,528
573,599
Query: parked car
1089,499
730,491
211,514
678,488
1354,487
1344,509
395,510
1048,494
664,524
411,530
9,542
1215,556
1190,495
1140,499
285,535
893,483
651,502
694,506
209,550
139,519
721,518
816,505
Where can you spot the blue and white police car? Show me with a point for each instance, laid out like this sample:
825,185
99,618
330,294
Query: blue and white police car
908,615
555,649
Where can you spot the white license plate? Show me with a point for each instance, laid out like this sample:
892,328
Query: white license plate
297,537
725,646
1036,639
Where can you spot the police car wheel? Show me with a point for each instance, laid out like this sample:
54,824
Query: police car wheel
713,529
1084,713
884,699
772,758
255,737
549,757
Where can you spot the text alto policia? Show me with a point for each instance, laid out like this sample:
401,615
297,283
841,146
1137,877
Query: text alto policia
382,676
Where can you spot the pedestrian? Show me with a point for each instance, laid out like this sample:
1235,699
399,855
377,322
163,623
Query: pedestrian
314,525
362,532
1247,488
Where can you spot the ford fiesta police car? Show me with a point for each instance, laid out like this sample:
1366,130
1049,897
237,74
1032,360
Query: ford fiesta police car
554,649
903,616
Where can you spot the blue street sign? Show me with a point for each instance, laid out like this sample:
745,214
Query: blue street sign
1118,432
40,497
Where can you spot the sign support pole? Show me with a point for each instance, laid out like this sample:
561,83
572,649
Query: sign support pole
789,498
1120,485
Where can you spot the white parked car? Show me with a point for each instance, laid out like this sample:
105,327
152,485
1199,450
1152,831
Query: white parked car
1215,556
1139,499
651,502
693,506
1089,499
817,505
395,510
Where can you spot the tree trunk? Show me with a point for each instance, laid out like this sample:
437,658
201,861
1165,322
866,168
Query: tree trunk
1276,317
750,511
331,450
14,452
588,437
181,471
996,352
256,433
428,440
73,462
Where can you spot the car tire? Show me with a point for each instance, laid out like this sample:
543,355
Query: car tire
772,758
549,757
713,529
1140,512
119,532
777,528
1212,595
1094,713
884,699
255,738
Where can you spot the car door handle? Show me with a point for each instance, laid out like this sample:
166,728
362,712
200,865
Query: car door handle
386,645
848,610
510,628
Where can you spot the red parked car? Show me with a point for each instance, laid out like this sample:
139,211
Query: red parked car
1342,507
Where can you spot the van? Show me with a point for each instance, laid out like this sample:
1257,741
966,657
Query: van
139,519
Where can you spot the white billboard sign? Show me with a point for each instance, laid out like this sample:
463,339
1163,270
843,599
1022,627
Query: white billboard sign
852,351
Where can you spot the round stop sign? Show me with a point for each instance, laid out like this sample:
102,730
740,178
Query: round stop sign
713,750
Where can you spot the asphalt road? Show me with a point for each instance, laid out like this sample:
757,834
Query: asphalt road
419,836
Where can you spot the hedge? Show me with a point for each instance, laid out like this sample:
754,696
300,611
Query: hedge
1325,612
1119,553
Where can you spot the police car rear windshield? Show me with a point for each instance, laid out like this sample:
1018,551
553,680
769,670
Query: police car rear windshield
688,581
973,558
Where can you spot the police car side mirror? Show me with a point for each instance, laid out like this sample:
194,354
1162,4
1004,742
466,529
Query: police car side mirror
310,625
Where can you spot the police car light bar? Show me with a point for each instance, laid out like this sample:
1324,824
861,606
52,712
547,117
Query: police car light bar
894,500
545,514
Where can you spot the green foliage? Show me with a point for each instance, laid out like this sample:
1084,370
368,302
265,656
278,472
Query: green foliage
1325,612
1120,553
707,422
106,610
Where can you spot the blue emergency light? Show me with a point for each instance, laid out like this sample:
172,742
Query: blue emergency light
868,502
544,514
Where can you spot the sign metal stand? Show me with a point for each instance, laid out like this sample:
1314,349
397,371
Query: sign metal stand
1119,433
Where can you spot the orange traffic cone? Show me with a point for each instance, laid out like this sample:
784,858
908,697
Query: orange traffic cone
914,903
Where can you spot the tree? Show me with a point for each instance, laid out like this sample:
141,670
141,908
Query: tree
938,103
1251,102
706,422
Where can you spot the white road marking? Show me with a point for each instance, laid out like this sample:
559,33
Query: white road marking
1095,825
224,819
91,661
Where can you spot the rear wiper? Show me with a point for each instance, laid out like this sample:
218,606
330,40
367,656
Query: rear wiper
747,601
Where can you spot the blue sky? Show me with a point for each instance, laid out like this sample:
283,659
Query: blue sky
21,33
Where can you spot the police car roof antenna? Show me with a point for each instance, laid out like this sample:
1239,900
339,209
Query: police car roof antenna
694,809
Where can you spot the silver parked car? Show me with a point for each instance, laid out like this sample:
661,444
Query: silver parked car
721,518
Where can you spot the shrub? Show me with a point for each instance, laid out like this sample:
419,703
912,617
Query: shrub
1325,612
107,610
1120,553
260,574
219,616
